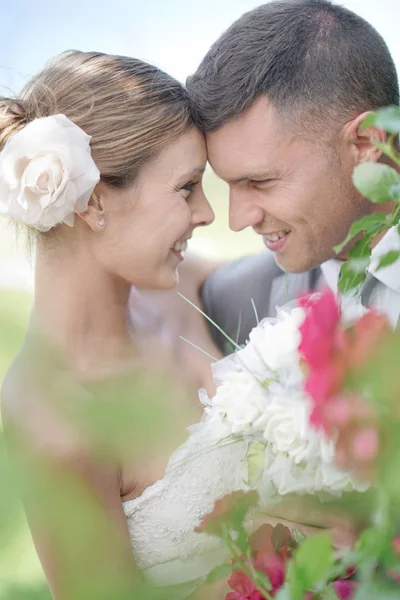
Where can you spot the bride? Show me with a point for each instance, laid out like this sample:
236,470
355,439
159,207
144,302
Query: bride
100,161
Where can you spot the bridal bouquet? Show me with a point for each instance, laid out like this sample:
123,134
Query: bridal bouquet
319,379
261,397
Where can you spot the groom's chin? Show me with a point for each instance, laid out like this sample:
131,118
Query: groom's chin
296,263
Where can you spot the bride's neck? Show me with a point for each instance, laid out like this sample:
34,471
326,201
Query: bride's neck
82,309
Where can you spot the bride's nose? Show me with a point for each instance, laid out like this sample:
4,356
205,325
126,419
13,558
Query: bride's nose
202,213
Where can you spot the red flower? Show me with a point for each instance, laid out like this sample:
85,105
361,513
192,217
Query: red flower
396,544
273,565
321,339
318,328
325,381
331,352
361,340
244,588
344,588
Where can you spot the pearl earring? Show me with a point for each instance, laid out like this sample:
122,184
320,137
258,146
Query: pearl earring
101,223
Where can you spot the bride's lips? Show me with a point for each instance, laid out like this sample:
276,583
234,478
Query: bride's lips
180,248
178,255
278,245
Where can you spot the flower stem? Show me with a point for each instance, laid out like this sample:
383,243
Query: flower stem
248,570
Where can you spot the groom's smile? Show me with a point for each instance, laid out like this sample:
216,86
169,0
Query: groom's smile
275,241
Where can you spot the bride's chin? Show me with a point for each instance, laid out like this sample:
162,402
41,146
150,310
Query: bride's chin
169,278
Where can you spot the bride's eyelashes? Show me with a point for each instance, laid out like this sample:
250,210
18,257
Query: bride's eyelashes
189,187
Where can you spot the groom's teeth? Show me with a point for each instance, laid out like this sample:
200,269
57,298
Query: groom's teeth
180,246
274,237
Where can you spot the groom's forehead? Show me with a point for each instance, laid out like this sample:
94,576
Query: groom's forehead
239,159
249,142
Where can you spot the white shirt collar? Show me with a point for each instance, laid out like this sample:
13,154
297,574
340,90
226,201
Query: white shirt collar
389,276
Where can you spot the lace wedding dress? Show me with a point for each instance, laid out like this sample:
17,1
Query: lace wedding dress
162,520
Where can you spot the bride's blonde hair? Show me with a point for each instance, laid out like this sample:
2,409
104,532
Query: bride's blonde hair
130,108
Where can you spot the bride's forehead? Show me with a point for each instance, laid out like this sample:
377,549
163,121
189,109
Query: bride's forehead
185,154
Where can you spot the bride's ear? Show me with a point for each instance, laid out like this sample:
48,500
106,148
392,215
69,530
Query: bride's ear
361,140
94,215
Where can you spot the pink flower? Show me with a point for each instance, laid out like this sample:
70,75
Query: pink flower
396,544
325,381
270,563
321,338
244,588
318,328
344,588
331,352
362,339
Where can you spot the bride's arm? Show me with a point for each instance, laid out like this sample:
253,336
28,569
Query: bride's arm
73,507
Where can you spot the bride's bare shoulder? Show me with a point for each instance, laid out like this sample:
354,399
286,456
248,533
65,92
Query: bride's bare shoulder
29,412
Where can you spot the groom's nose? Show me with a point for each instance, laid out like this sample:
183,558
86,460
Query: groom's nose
243,212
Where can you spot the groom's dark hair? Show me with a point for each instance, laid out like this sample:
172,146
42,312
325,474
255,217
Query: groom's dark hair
315,61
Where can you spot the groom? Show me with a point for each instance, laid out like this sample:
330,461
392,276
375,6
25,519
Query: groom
281,96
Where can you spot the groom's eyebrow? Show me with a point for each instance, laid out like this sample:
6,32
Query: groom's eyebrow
260,176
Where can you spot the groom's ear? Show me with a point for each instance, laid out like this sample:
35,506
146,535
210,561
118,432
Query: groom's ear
361,140
94,214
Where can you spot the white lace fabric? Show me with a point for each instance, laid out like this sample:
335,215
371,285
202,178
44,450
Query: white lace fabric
162,520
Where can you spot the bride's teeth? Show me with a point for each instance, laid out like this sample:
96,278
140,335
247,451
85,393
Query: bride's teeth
180,246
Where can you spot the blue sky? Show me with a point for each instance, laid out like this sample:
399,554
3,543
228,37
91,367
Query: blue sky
174,34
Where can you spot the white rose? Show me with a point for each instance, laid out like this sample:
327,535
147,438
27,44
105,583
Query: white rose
241,400
47,173
250,360
277,343
286,428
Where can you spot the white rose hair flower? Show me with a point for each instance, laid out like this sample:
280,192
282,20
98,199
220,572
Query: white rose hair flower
47,173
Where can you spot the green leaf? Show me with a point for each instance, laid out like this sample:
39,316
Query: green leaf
388,259
353,271
314,559
369,121
375,180
370,545
374,591
350,280
388,119
395,191
255,461
264,580
220,572
369,224
284,593
295,581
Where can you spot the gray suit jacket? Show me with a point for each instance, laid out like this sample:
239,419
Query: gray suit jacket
228,291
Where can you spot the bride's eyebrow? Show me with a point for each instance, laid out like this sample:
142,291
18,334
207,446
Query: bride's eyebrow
192,172
271,174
